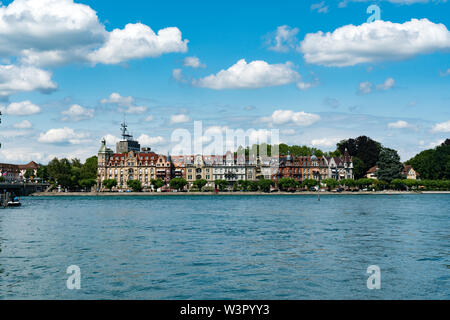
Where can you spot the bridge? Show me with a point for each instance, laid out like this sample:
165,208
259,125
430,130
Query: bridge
23,189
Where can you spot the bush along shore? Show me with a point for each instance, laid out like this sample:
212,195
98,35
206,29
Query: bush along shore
284,186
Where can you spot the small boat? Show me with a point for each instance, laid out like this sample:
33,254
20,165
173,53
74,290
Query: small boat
14,204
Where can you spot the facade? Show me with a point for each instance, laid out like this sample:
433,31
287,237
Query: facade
16,172
372,173
129,162
410,173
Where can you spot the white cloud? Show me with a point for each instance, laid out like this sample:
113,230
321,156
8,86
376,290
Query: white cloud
14,79
177,74
20,155
365,87
441,127
193,62
308,85
25,124
256,74
433,144
400,124
138,41
325,142
52,32
149,141
320,7
111,140
388,84
445,73
283,39
149,118
124,104
62,135
301,118
288,132
344,3
23,108
179,118
372,42
77,113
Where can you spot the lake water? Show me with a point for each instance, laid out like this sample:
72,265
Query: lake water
227,247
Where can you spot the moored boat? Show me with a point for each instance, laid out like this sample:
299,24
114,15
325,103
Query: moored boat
14,204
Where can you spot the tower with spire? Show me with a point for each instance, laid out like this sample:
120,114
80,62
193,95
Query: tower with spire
127,143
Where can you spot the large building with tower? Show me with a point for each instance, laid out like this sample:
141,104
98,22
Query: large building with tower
130,161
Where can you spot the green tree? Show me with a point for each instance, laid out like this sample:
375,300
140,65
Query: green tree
330,183
389,165
42,173
365,149
178,183
29,173
309,183
265,184
2,179
433,164
221,184
87,184
89,168
135,185
157,183
200,183
253,186
286,184
244,185
109,183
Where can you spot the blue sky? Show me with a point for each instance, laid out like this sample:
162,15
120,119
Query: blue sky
70,72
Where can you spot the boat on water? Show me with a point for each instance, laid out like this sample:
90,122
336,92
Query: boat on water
14,204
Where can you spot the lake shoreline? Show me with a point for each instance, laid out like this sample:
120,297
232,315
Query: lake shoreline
305,193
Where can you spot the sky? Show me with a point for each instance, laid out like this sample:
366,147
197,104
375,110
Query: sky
319,71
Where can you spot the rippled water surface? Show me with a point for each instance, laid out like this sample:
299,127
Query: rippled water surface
229,247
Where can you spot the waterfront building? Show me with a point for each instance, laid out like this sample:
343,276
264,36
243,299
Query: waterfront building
16,172
372,173
131,162
409,173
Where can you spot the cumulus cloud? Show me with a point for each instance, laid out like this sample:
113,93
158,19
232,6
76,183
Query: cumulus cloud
15,79
124,104
62,136
177,74
48,29
283,39
400,124
193,62
302,85
77,113
138,41
23,108
53,32
441,127
366,86
445,73
388,84
325,142
179,118
149,141
320,7
25,124
344,3
281,117
373,42
111,139
256,74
